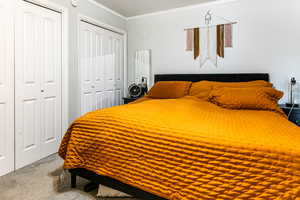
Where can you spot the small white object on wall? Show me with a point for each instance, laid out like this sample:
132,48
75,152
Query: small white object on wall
74,3
143,66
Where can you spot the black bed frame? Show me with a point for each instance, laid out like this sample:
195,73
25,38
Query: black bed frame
138,193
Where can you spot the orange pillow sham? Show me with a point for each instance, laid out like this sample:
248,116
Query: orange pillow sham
251,98
169,90
202,89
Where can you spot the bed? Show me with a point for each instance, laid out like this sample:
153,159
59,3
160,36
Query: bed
142,154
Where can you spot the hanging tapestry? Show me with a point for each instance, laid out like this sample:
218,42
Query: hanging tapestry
196,43
220,40
209,41
228,36
190,40
208,46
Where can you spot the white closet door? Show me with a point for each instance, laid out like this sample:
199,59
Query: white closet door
6,88
109,71
51,82
38,83
119,69
113,69
88,60
101,68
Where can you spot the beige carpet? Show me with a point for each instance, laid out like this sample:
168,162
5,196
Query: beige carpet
41,181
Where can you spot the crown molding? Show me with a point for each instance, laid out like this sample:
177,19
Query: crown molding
181,9
160,12
107,9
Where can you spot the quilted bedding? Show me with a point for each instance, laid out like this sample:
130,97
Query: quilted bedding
189,149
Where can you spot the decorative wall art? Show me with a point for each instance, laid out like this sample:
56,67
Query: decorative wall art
208,42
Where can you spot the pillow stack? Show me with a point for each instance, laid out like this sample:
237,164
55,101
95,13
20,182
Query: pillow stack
169,90
251,98
203,89
253,95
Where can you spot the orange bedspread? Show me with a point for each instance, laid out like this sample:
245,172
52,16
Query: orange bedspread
189,149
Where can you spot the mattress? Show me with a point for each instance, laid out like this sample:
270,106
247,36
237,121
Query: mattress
189,149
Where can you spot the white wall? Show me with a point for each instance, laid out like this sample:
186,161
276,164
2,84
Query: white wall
91,10
266,39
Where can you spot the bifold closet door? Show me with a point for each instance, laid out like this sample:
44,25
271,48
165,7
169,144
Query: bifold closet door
6,88
38,82
101,67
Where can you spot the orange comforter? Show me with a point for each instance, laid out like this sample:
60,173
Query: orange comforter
189,149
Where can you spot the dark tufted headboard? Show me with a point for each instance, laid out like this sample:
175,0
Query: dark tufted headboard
212,77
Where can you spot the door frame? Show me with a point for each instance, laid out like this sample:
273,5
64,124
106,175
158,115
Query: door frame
65,57
95,22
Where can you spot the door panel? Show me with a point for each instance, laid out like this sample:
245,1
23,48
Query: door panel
3,114
50,118
38,83
87,60
89,102
118,97
27,86
87,68
118,46
6,88
109,71
51,82
109,99
99,62
31,125
101,68
99,100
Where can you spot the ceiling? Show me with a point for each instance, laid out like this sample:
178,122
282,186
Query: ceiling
130,8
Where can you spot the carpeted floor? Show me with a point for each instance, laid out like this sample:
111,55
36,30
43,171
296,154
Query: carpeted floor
41,181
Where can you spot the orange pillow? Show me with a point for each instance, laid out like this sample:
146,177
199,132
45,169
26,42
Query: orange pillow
202,89
252,98
169,89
